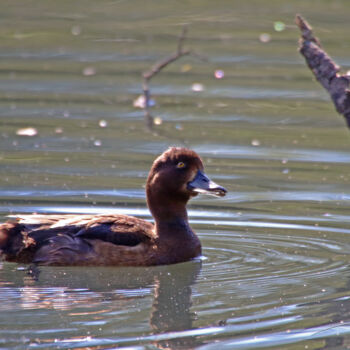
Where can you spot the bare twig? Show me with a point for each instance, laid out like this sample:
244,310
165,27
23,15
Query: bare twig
325,69
157,67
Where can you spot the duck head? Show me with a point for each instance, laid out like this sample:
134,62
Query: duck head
176,176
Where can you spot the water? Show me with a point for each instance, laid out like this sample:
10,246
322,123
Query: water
276,250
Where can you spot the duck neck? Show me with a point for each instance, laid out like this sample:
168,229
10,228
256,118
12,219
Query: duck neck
176,240
170,216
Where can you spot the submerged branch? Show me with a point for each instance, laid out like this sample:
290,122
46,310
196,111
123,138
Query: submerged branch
325,69
158,67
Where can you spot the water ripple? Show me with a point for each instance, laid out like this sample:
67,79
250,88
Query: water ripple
281,338
291,154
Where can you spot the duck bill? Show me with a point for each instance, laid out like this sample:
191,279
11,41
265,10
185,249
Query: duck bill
202,184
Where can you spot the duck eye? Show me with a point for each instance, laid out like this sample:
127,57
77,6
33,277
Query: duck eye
180,165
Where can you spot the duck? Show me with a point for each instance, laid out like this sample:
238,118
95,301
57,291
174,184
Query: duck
176,176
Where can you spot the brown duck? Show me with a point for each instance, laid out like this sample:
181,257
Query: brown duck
175,177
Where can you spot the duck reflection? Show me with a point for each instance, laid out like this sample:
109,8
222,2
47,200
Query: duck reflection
172,303
108,296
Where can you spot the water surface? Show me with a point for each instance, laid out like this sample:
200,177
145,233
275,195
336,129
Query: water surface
276,249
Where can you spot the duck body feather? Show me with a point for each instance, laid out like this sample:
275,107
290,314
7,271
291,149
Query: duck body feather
80,240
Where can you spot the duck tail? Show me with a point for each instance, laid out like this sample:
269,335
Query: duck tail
15,244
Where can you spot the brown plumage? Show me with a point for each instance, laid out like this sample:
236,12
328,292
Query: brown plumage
175,177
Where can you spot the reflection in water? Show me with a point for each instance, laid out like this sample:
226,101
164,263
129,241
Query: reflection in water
172,303
102,297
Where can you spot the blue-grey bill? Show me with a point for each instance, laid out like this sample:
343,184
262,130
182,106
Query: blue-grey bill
202,184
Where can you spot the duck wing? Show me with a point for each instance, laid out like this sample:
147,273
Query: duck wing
42,237
117,229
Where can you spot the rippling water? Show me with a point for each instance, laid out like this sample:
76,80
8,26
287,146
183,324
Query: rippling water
276,263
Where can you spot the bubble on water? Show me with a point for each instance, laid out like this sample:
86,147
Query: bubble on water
158,121
197,87
27,131
219,74
186,68
265,37
279,26
97,143
89,71
102,123
255,142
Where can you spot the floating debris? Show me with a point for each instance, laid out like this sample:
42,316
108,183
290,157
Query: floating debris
97,143
59,130
221,104
265,37
279,26
219,74
76,30
102,123
140,102
197,87
186,68
27,132
89,71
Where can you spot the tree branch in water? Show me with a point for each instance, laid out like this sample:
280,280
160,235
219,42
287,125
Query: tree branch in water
325,69
158,67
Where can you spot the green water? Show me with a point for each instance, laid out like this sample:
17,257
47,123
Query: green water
276,249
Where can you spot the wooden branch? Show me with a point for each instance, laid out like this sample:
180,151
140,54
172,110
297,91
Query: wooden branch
170,59
157,67
325,69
